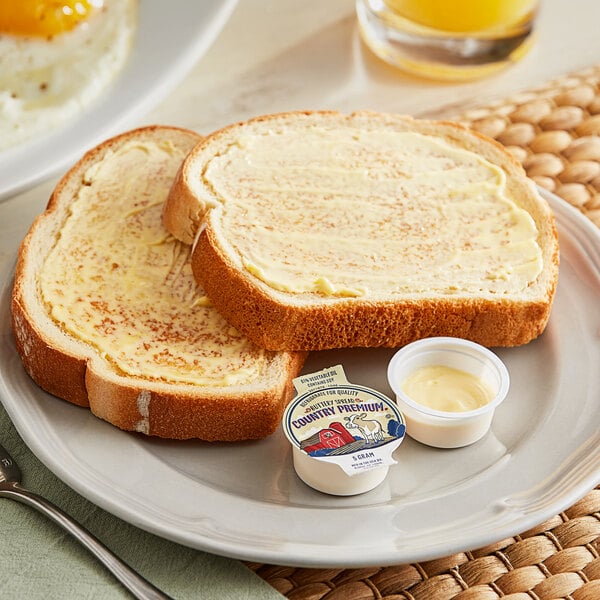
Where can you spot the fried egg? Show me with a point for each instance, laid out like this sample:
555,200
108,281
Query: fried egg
56,58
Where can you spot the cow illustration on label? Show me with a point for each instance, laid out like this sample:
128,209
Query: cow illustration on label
369,429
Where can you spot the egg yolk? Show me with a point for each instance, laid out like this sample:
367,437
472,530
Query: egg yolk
44,18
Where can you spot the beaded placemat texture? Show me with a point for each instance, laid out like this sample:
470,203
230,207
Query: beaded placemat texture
554,131
558,559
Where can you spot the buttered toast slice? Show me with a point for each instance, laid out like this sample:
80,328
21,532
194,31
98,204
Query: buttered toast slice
107,314
321,230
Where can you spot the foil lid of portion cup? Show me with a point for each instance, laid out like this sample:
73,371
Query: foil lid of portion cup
333,420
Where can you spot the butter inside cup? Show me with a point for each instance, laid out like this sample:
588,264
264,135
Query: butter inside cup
448,422
447,389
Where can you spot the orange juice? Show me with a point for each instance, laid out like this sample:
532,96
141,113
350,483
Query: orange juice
464,16
448,39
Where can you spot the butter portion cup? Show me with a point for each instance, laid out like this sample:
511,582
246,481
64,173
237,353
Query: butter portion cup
440,428
342,435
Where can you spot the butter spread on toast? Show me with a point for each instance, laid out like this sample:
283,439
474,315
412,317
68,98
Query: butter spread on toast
350,212
121,283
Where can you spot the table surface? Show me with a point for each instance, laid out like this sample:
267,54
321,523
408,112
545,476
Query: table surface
280,55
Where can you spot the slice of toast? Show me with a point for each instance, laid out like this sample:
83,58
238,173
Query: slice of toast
320,230
106,312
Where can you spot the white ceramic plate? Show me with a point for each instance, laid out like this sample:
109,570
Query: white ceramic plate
245,501
170,38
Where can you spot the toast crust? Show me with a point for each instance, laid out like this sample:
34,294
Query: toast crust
278,320
71,369
352,323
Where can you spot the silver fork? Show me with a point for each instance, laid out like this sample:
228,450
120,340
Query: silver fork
10,487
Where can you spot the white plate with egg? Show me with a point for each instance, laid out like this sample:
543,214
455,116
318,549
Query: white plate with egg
244,500
67,90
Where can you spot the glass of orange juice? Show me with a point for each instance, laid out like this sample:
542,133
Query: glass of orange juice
448,39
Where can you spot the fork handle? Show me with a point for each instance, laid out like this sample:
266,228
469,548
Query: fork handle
134,582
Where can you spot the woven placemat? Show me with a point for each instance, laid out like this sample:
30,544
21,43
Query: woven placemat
558,559
554,131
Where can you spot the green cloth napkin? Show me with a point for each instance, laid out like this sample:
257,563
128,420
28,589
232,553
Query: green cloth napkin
40,561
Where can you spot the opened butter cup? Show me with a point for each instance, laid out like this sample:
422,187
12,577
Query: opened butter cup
448,428
342,435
